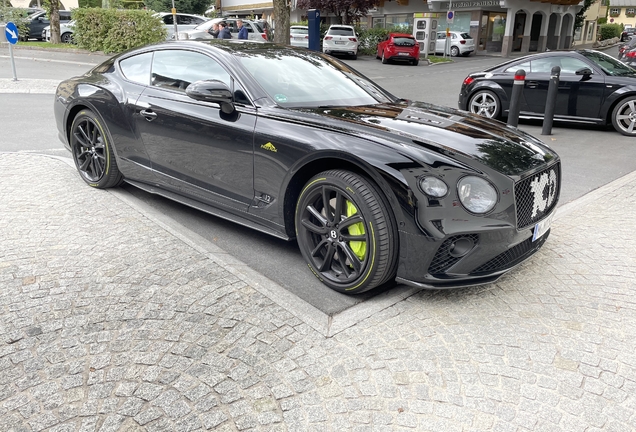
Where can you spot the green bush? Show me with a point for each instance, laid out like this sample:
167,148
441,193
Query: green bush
369,39
113,31
608,31
601,21
17,16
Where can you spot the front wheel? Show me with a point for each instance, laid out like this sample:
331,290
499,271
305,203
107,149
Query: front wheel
346,232
485,103
624,116
67,37
92,151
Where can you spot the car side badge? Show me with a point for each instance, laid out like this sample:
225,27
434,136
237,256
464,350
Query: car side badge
269,147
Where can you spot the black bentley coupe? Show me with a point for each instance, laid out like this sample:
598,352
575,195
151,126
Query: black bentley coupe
296,144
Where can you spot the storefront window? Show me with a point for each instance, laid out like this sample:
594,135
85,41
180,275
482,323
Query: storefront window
495,31
402,21
590,30
461,22
378,22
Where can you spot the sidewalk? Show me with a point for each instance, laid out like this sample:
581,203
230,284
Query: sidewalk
112,322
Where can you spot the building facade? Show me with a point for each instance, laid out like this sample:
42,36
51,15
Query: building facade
498,26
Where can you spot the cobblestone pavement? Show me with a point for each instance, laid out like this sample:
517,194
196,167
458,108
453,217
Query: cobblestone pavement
109,322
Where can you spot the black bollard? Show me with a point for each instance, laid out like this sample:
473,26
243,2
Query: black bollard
515,98
550,102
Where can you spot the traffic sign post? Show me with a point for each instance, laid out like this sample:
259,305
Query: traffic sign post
11,33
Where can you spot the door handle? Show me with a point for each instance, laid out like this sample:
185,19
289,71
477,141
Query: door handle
148,114
532,84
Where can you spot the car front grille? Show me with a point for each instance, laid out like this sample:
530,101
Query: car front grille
512,256
537,195
443,260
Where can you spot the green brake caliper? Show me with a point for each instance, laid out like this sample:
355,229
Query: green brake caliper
358,247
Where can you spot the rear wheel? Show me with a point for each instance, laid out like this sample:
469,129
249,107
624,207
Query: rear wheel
92,151
454,51
384,59
624,116
415,62
485,103
346,232
355,56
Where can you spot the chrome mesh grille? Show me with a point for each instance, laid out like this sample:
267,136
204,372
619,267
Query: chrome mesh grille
537,195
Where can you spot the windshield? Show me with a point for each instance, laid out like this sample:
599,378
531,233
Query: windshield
305,79
609,64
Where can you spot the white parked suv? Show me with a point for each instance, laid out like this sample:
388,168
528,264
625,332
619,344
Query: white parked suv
184,22
341,39
254,30
66,32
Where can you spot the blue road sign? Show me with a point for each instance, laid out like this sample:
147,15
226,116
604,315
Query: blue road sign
11,32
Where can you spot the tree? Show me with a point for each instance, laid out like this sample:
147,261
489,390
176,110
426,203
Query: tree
183,6
281,16
579,19
54,14
347,11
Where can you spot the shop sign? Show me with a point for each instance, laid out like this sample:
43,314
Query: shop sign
472,4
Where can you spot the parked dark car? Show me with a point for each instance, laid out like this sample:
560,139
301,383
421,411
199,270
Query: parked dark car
627,33
593,88
400,47
623,48
297,144
39,20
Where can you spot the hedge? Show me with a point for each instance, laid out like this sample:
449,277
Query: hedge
608,31
113,30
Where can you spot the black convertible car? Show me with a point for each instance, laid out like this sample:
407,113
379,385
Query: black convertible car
296,144
593,88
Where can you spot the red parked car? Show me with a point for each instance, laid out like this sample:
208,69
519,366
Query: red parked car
399,46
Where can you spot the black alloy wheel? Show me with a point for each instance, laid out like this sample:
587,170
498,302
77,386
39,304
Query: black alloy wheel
346,232
92,152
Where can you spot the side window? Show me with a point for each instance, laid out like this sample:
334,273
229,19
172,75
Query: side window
525,66
167,20
137,68
441,35
571,65
185,20
65,17
544,65
175,70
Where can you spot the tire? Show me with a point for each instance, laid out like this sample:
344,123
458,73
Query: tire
415,62
384,60
485,103
352,247
624,116
354,57
454,51
67,37
92,151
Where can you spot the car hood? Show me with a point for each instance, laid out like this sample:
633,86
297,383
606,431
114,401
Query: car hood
442,130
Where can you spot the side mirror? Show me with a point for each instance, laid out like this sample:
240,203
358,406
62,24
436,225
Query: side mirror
212,91
584,71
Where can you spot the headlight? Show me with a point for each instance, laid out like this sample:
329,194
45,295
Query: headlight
476,194
433,186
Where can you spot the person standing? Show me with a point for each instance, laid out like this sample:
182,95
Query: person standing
224,32
242,34
214,31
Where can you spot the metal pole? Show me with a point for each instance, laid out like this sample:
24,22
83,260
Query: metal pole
515,98
550,102
15,75
174,21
